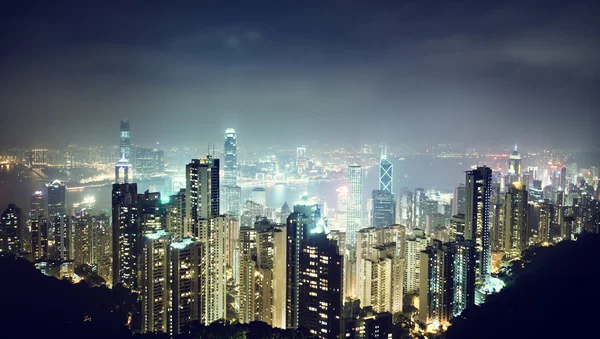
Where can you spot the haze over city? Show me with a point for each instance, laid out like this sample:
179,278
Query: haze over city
355,72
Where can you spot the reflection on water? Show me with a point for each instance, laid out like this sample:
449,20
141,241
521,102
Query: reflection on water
412,172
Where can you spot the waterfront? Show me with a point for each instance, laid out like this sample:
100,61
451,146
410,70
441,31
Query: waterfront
418,171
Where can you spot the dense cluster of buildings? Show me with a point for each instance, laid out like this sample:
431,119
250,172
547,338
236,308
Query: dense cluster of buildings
204,255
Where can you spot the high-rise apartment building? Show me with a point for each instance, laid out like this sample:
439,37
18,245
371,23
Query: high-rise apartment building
380,269
184,284
514,230
202,195
447,281
126,235
175,214
155,282
354,214
478,190
212,273
262,291
11,230
320,288
416,241
301,223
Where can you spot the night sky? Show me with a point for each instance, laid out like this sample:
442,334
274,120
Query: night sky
522,72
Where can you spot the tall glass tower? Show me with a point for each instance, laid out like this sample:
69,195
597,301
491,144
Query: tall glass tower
125,140
355,182
230,166
386,169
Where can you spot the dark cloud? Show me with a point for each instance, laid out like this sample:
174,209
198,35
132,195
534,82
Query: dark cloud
337,71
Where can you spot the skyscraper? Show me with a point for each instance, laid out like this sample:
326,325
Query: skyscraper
259,196
203,223
320,289
384,209
416,241
419,209
56,198
405,210
212,274
230,158
305,219
202,195
478,191
184,268
301,160
125,144
11,230
458,201
447,281
515,220
126,234
263,284
386,178
154,269
514,167
380,268
37,205
355,182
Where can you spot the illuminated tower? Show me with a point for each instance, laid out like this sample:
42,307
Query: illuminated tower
230,158
355,182
386,178
478,191
514,167
124,165
515,220
126,234
125,143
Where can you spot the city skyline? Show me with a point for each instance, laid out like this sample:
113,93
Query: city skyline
330,170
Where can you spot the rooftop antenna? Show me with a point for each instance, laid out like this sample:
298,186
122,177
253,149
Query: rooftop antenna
213,154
